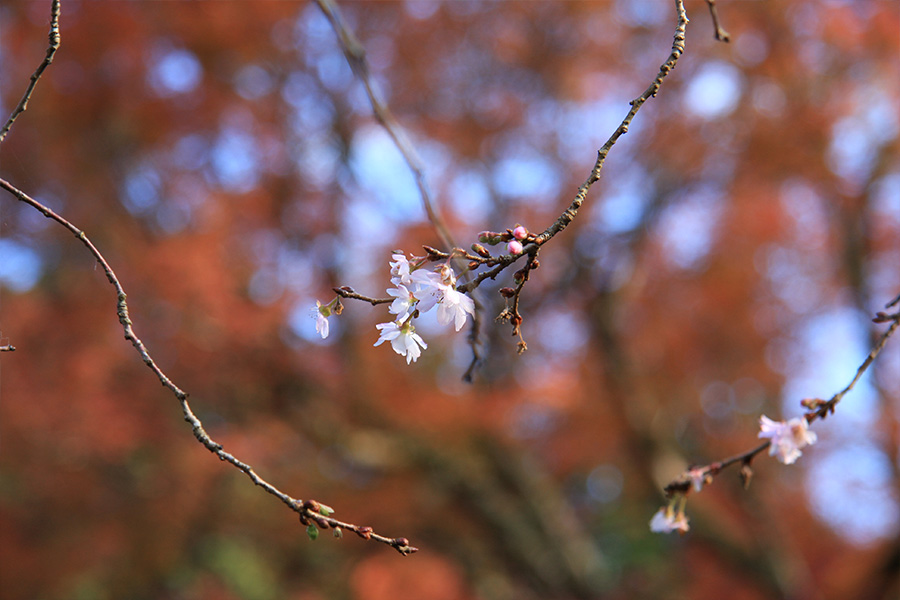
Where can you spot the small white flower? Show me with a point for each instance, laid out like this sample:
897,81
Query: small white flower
403,338
667,520
428,289
787,438
400,270
404,302
321,313
453,307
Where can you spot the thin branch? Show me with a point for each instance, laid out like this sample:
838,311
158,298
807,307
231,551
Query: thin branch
721,34
51,51
572,211
306,509
511,312
822,408
356,56
345,291
502,262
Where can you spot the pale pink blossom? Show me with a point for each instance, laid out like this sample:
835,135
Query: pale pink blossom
787,438
423,285
514,247
321,313
428,289
404,302
520,233
400,273
403,338
667,520
453,307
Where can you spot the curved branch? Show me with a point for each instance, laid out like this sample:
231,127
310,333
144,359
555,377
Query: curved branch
310,511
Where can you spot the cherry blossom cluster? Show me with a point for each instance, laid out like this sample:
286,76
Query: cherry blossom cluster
418,290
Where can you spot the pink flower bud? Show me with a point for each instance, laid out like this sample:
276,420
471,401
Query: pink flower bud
520,233
514,247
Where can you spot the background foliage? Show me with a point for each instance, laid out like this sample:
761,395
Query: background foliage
225,160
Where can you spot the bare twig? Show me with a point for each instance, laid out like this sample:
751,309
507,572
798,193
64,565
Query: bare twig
511,313
571,212
822,408
346,291
721,34
308,510
51,51
356,57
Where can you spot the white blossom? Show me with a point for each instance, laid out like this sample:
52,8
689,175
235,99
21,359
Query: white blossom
667,520
787,437
423,285
403,338
400,269
428,289
404,302
321,313
453,307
